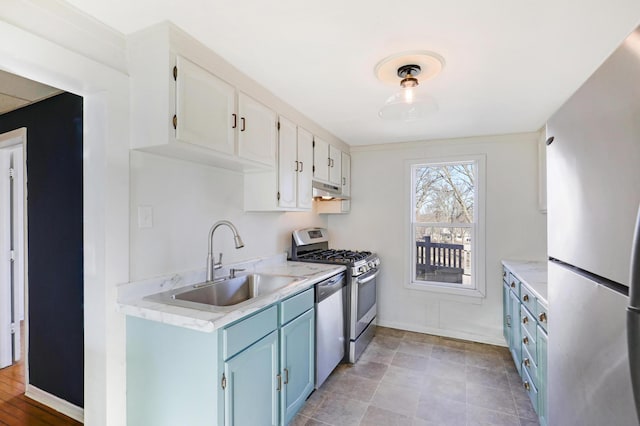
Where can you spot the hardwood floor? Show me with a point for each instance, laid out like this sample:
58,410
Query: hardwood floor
16,409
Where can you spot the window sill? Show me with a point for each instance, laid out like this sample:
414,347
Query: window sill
465,295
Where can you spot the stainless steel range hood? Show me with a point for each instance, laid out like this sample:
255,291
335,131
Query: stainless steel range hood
325,191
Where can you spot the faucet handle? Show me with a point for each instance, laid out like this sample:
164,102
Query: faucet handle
232,272
218,264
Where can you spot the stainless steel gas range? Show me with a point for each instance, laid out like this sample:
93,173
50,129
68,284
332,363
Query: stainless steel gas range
312,245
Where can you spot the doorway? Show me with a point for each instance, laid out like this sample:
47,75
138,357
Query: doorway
12,244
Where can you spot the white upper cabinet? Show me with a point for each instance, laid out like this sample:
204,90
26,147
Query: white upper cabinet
346,174
305,169
335,165
321,160
205,106
287,163
256,131
289,186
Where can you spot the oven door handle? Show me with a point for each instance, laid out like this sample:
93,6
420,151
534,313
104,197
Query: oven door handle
366,280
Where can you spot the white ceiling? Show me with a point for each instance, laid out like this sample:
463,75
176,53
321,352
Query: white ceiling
509,63
16,92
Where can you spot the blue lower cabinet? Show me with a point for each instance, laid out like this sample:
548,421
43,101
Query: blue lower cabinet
252,388
297,354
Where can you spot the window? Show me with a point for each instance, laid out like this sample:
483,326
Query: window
447,232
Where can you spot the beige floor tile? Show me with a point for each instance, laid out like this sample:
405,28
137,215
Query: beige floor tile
482,417
446,388
340,411
378,353
485,377
489,360
387,342
403,377
391,332
442,411
398,399
368,369
446,369
352,386
415,348
447,353
375,416
410,362
491,398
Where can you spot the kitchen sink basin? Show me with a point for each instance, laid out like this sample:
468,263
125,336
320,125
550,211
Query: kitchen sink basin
226,292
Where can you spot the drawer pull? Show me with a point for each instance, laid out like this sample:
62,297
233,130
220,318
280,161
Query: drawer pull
525,340
525,298
525,320
542,317
526,362
513,284
527,386
279,378
504,273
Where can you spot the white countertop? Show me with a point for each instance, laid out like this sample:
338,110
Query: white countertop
208,318
533,274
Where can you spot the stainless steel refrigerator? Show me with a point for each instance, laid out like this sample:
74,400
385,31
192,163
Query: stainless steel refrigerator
593,190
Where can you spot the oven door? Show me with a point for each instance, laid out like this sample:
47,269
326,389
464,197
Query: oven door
363,301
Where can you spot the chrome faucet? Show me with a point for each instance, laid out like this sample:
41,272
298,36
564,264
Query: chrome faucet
212,265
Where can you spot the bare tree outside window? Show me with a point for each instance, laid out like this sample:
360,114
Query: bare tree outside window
444,221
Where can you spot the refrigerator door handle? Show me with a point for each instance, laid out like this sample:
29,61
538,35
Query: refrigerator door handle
633,317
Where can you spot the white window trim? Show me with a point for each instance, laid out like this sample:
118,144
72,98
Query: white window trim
478,290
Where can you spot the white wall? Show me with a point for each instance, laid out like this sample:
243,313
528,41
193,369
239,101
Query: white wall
187,198
515,229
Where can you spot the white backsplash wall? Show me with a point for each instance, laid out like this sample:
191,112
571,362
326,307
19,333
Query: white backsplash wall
515,229
186,199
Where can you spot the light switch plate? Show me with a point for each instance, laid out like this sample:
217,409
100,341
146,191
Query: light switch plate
145,217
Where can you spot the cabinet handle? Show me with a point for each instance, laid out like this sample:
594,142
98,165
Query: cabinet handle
542,317
525,298
504,273
525,340
235,120
526,362
286,376
526,385
513,284
508,320
301,166
328,161
279,377
243,127
344,181
525,320
296,170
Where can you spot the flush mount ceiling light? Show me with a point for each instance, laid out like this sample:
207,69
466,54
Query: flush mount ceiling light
408,103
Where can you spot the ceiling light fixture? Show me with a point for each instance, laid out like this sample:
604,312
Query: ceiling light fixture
409,104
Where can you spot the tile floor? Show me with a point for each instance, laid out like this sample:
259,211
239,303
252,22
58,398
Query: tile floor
406,378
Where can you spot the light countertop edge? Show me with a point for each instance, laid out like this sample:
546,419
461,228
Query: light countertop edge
131,295
533,274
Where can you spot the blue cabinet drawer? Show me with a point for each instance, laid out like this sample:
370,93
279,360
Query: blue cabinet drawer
244,333
527,298
514,284
530,388
529,363
542,314
527,320
296,305
530,343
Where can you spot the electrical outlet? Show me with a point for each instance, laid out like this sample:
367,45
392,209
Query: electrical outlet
145,217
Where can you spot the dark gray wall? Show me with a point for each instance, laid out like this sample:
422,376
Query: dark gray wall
55,257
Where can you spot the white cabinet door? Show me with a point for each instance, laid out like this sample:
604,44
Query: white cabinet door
257,136
346,182
287,163
335,165
321,160
205,108
305,169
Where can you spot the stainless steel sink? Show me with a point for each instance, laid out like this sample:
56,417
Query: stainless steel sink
227,292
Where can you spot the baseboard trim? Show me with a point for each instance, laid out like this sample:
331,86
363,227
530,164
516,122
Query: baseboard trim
58,404
444,333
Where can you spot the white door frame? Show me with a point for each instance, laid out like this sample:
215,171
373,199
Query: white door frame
15,142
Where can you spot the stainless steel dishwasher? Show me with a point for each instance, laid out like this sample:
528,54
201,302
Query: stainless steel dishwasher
330,325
